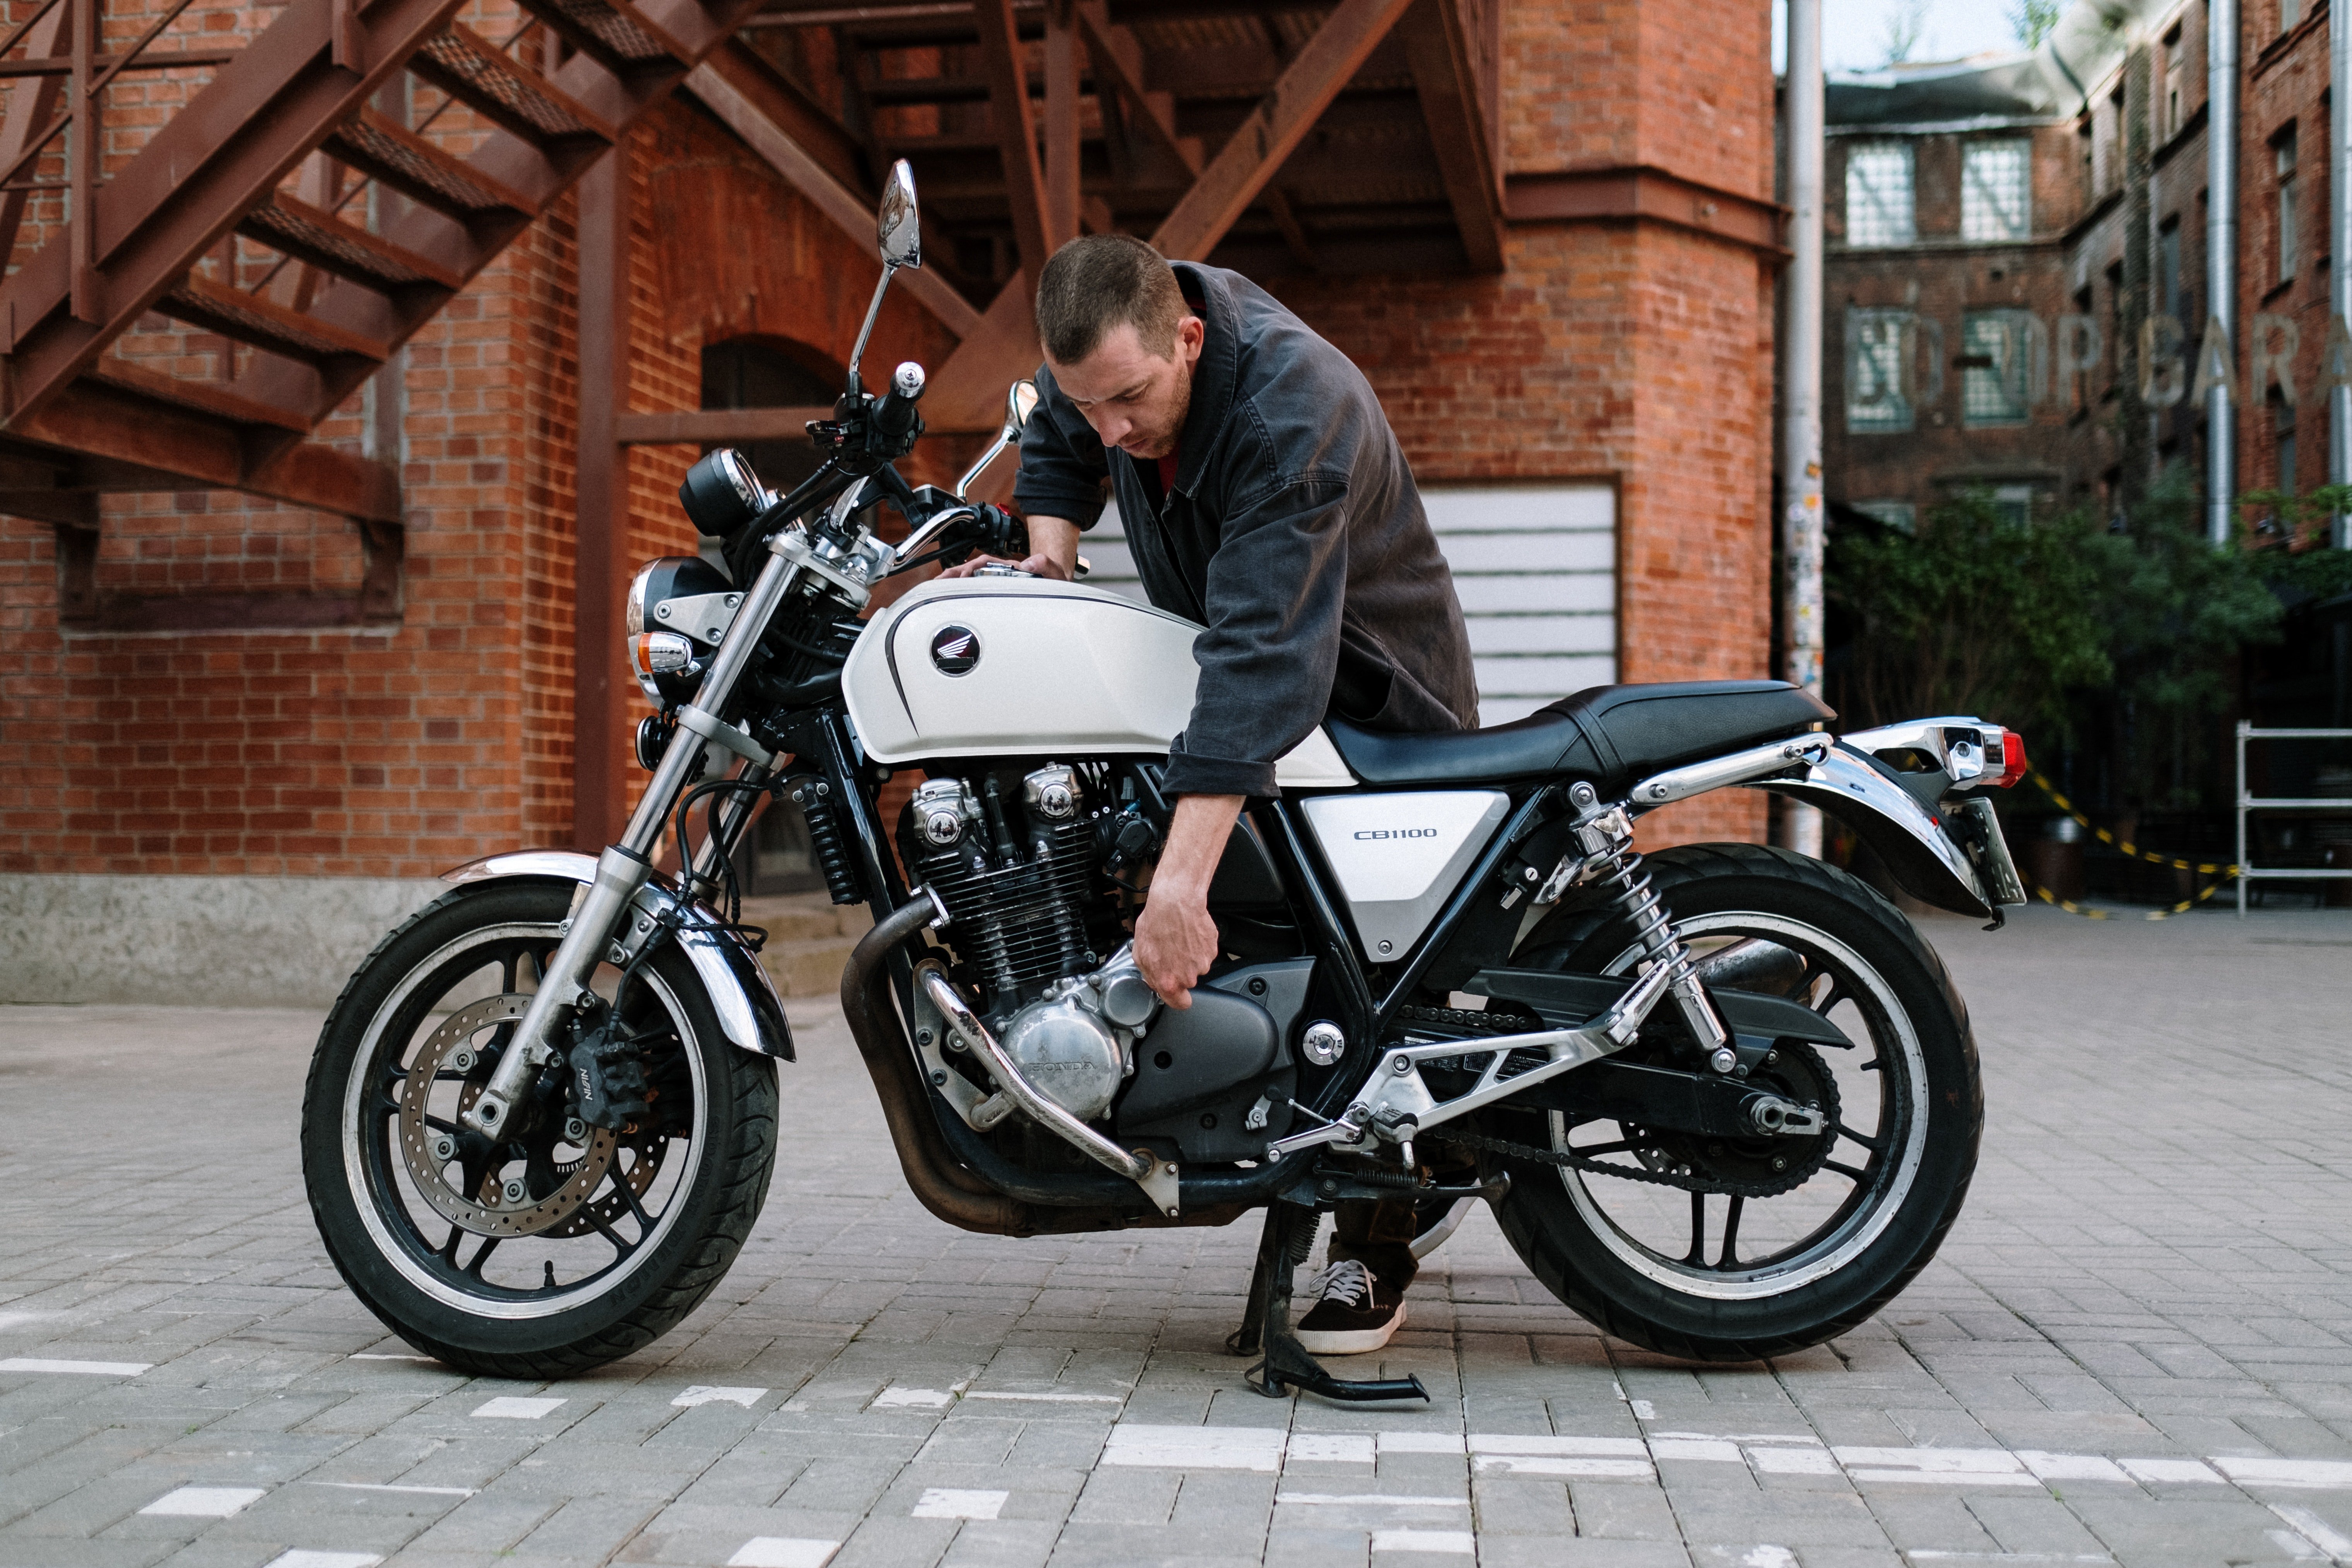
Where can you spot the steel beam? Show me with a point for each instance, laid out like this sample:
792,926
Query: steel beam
1436,37
600,805
716,425
1253,155
1016,138
1061,124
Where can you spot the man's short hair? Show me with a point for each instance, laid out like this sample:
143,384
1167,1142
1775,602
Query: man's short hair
1098,280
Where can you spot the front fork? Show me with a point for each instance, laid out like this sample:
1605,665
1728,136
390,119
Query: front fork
623,868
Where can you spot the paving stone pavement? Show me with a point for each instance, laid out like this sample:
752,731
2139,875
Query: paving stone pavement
2136,1347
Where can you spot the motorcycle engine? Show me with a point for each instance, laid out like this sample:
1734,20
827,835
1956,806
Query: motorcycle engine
1018,878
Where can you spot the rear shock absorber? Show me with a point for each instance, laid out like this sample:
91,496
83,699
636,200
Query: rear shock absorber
814,795
1605,834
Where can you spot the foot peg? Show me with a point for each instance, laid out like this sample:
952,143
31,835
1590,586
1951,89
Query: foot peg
1265,1323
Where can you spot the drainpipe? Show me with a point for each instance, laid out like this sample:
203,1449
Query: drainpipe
2222,254
1800,393
2339,235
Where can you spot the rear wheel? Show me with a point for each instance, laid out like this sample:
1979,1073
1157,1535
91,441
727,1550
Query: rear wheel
557,1246
1789,1241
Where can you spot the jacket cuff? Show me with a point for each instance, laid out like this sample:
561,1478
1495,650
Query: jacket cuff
1188,774
1082,507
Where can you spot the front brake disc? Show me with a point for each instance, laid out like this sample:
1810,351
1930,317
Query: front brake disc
486,1212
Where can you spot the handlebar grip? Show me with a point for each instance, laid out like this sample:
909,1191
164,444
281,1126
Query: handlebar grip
893,412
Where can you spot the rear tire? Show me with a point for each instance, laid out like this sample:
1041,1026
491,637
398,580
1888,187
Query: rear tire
1607,1247
621,1268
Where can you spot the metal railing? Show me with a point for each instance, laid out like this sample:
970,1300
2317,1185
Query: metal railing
2248,804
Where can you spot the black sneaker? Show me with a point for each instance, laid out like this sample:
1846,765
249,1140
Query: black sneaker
1354,1312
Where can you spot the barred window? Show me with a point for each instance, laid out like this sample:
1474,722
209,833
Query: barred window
1996,354
1996,190
1876,399
1878,207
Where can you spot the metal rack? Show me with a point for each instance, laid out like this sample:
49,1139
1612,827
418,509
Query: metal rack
2248,804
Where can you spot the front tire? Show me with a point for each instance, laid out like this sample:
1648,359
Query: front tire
1677,1272
568,1246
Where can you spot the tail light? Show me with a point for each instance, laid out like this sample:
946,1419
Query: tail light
2012,759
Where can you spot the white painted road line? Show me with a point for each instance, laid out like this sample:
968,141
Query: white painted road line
1454,1543
1421,1442
1195,1447
948,1502
300,1558
2329,1540
1052,1397
513,1407
699,1395
1794,1461
2169,1470
783,1552
925,1398
93,1368
1941,1467
1331,1447
2331,1474
389,1487
2072,1466
206,1502
1368,1499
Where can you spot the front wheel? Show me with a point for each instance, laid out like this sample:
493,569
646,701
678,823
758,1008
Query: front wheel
559,1245
1786,1242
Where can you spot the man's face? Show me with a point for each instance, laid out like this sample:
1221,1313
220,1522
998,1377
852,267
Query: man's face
1135,400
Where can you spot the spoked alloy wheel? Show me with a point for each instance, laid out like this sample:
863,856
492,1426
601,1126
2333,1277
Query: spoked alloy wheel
1789,1241
556,1246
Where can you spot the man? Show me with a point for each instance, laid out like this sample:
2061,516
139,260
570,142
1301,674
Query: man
1264,496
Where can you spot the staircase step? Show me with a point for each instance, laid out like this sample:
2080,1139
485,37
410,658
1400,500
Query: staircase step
422,172
266,324
463,64
203,397
616,36
313,235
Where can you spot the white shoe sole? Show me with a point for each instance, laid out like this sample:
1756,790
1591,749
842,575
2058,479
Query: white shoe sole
1352,1342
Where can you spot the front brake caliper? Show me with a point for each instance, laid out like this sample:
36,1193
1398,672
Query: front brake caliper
608,1080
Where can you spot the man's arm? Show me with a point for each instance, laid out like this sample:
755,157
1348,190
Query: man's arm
1175,940
1053,551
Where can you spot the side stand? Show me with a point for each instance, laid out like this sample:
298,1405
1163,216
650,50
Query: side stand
1265,1322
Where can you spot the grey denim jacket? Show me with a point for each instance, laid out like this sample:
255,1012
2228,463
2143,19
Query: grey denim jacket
1292,533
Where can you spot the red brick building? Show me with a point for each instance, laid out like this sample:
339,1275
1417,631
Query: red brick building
244,734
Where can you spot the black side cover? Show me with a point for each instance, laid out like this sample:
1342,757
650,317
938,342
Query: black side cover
1214,1044
1564,1001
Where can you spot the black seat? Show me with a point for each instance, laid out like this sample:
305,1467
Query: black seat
1612,735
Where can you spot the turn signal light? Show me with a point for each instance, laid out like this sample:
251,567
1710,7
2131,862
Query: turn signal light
2012,759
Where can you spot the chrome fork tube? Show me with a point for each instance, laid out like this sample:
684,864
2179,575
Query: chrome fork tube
625,868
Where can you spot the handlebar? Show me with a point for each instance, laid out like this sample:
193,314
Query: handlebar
893,412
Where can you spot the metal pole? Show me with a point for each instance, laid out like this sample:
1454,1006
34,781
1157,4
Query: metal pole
599,688
2339,228
1800,393
2222,256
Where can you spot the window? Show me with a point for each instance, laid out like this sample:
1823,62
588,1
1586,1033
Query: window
2290,13
2167,269
1878,210
1996,356
2014,503
2283,150
1996,197
1876,399
2176,83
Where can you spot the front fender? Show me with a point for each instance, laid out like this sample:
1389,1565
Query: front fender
737,983
1924,859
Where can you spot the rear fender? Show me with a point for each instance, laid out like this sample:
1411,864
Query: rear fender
1925,860
737,984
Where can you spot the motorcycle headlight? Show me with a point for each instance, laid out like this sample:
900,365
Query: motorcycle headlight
679,609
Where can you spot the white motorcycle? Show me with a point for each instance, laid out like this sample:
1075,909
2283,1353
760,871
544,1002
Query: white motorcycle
1725,1103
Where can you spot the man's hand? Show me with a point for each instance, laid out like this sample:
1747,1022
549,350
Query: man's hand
1175,940
1054,552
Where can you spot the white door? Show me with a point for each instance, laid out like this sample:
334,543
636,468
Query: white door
1534,566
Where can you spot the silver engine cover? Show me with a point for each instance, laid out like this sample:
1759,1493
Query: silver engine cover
1069,1054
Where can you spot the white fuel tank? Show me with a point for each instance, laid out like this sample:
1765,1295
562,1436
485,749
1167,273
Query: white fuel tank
1004,666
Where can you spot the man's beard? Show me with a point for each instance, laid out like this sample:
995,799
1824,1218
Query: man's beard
1165,441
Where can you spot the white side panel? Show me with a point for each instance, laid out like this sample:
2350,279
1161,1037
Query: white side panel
1064,668
1400,857
1534,566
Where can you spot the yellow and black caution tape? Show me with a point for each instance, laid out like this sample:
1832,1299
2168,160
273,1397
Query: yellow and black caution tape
2223,874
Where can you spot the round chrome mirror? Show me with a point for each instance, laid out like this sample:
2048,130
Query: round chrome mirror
1019,403
899,232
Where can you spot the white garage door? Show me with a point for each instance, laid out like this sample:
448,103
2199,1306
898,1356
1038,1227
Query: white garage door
1535,569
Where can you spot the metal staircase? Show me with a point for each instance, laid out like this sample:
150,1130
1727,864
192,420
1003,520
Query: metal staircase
206,225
